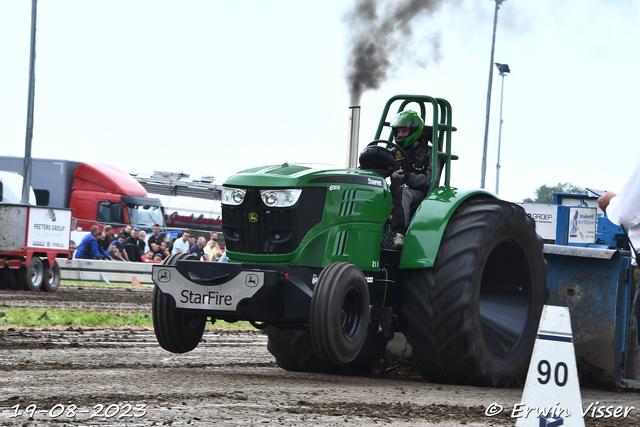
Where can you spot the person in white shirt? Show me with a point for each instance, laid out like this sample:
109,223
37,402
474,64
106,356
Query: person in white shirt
623,209
181,245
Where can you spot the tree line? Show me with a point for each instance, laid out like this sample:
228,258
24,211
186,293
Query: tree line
544,193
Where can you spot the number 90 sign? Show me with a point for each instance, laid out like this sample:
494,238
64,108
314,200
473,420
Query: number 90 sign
560,373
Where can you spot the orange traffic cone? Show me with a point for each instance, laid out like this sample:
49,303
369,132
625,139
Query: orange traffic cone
136,282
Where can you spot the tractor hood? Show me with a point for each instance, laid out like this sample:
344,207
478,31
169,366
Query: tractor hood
299,175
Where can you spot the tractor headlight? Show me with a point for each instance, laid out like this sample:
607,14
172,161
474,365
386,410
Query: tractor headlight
233,196
280,198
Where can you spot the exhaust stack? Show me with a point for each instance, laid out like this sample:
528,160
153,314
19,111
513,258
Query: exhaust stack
354,132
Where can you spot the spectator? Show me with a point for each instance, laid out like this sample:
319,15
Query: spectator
119,242
108,237
127,230
103,254
170,245
213,249
142,235
148,256
162,244
192,241
90,248
132,246
623,209
154,239
115,253
181,245
152,258
198,249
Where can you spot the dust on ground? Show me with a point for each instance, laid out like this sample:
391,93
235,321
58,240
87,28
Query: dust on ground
87,376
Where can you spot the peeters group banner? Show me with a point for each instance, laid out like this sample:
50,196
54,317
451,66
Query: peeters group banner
48,228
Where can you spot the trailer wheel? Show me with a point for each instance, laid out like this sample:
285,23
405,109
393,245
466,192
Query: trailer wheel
294,351
32,276
51,280
176,331
339,313
473,317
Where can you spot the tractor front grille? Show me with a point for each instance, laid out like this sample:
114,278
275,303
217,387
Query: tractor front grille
255,228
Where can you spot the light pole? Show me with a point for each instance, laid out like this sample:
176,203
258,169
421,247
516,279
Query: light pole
486,124
26,167
503,69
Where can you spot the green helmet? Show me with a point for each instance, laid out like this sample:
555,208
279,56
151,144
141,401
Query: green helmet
410,119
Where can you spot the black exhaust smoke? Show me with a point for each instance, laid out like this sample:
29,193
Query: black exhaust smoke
379,39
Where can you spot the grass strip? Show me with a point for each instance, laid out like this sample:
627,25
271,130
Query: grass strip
41,317
99,284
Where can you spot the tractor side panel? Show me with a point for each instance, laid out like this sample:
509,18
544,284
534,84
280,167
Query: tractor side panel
351,228
428,224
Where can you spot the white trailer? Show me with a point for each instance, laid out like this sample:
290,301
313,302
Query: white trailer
30,240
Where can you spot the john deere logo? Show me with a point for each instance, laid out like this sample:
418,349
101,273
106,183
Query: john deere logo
253,217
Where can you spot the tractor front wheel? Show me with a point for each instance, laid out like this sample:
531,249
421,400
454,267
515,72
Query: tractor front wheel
473,317
176,331
339,313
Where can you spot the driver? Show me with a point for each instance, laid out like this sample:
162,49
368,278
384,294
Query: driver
409,187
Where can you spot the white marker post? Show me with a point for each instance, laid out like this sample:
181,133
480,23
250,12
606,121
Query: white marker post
551,395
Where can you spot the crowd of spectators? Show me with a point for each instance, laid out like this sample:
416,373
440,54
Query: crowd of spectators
130,245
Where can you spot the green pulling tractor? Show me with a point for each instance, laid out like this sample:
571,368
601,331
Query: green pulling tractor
310,263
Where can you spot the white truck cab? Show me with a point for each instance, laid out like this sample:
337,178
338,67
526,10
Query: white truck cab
11,188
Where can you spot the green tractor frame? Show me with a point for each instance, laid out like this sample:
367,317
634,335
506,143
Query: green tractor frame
309,262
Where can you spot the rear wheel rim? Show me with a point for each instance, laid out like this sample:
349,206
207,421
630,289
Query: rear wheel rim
37,274
505,298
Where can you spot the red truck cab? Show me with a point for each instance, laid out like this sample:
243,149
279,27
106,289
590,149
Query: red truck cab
104,194
99,194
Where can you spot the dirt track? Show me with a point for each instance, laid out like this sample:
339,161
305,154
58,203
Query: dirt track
230,379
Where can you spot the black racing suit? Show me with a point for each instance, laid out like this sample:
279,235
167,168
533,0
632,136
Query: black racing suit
409,193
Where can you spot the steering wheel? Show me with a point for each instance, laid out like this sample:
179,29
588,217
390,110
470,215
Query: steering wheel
404,160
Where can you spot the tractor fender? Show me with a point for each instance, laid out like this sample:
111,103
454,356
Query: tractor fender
429,222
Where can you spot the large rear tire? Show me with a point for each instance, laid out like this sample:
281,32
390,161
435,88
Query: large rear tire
51,281
294,351
473,317
176,331
31,278
339,313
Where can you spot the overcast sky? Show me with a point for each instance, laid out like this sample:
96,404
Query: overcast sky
211,87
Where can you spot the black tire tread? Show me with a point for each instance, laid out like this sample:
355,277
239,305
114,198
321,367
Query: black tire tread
438,310
293,351
327,288
169,324
51,287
